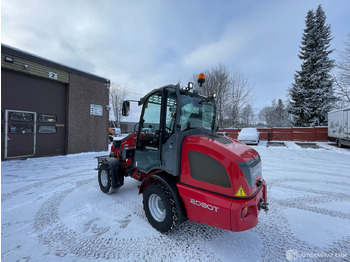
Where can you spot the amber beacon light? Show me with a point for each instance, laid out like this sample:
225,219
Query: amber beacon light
201,79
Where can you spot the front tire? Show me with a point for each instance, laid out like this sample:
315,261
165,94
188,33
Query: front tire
104,178
159,207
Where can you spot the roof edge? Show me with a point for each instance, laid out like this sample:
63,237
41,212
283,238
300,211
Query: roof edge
40,60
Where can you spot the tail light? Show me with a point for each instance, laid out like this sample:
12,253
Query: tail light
244,212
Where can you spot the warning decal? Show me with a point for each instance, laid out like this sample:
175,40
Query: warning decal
240,192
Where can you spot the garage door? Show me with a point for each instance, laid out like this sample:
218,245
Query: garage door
34,110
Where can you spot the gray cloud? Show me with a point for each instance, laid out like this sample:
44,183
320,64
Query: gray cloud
147,44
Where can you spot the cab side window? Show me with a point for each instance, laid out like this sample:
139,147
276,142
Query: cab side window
150,123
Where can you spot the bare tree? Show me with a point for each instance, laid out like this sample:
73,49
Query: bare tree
247,116
232,91
275,115
240,94
218,81
342,77
267,115
117,95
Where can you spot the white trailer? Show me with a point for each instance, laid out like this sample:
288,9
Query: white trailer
338,126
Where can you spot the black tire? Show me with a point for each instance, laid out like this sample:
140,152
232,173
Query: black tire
339,144
159,207
105,179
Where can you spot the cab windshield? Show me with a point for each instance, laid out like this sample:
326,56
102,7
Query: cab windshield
196,112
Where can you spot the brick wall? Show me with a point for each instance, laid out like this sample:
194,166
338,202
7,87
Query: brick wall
86,132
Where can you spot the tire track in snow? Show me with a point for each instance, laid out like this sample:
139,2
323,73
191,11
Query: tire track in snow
39,184
275,229
277,235
302,161
186,240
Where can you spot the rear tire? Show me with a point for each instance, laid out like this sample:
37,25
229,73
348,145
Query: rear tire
339,144
105,179
159,207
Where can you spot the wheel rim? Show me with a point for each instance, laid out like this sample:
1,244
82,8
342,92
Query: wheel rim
156,207
104,178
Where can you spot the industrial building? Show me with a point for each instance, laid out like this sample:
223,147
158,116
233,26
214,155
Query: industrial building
50,109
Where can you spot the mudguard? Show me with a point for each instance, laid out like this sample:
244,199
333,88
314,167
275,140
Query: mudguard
168,182
116,171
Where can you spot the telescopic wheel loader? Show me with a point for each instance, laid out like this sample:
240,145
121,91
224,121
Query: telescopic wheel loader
188,172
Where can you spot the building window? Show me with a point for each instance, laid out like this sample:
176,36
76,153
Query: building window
21,129
21,117
47,130
43,118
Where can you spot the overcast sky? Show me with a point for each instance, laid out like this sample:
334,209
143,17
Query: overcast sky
147,44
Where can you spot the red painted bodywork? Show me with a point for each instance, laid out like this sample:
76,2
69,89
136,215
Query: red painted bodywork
227,214
207,203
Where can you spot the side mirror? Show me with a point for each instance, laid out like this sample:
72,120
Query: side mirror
125,108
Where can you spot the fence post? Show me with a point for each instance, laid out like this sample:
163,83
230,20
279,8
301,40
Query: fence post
314,133
291,138
271,130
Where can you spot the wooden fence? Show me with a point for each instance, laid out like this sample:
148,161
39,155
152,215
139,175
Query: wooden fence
287,133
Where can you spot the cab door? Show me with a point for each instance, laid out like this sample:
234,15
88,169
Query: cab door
169,138
147,154
20,134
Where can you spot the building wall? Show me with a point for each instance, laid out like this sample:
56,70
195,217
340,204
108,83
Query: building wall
86,132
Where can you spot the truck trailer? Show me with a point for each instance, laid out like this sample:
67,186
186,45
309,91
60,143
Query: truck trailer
338,127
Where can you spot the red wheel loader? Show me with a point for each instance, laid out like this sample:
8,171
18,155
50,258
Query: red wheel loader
187,171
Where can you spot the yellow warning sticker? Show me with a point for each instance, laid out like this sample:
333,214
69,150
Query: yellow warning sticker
240,192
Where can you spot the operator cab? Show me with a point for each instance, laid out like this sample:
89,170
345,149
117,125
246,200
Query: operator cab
169,114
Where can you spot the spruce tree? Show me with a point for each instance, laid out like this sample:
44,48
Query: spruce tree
312,93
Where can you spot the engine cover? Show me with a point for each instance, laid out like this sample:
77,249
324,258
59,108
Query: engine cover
221,183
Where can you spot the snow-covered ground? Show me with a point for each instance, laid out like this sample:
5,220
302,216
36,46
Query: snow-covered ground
53,210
